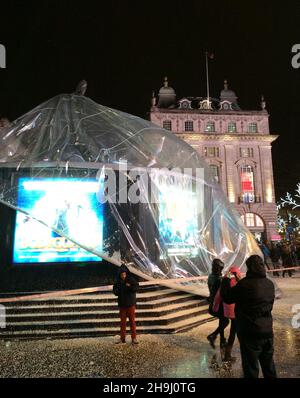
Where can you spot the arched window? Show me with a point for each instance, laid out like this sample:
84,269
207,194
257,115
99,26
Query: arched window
215,172
167,124
247,184
210,127
252,220
189,125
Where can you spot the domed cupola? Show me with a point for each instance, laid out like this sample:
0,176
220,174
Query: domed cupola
228,99
166,96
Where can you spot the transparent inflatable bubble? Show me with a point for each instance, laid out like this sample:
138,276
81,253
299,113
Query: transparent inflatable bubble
98,183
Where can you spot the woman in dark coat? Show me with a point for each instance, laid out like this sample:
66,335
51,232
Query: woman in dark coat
214,283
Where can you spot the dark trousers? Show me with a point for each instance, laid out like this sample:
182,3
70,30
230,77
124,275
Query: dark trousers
275,266
255,352
289,271
130,313
223,323
232,332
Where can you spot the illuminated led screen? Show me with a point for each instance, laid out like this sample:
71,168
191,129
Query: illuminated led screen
68,205
178,226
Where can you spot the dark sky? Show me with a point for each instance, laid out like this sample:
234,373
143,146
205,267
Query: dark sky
125,48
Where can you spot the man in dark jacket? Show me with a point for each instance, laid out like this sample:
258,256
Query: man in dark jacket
253,297
275,257
125,287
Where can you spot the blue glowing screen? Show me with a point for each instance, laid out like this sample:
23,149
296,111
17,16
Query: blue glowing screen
68,205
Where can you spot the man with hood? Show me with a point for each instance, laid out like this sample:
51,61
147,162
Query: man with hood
125,288
253,297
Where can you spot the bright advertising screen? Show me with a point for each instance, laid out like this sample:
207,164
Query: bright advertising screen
68,205
178,225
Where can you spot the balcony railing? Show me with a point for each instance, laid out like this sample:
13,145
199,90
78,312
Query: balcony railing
242,200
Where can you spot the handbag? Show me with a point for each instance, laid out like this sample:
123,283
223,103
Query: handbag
217,301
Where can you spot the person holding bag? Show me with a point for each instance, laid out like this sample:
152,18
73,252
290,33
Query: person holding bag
215,307
234,275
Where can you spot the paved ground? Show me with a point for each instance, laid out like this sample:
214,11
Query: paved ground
182,355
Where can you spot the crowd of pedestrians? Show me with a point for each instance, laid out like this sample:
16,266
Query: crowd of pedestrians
278,256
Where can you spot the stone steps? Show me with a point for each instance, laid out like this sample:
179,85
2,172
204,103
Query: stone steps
105,297
98,305
101,312
159,310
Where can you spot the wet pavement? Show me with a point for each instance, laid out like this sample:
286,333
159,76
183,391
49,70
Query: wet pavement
186,355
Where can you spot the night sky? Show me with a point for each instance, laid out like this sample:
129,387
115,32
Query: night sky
125,48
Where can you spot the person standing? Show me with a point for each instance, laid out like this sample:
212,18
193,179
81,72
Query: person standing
125,288
294,256
253,297
266,252
275,255
287,260
214,283
235,276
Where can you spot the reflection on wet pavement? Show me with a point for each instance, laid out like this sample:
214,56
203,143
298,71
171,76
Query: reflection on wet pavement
209,363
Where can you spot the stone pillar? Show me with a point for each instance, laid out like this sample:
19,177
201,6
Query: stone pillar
268,199
232,190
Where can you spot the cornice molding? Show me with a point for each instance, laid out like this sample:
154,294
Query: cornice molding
227,137
163,111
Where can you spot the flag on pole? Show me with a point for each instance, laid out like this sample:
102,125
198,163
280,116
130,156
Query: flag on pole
210,56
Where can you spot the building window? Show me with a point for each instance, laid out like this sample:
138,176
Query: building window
232,127
252,220
167,124
247,184
246,152
210,127
259,222
252,128
214,170
211,152
188,125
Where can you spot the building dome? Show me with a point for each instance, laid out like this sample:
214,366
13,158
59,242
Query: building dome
226,94
4,122
166,96
228,98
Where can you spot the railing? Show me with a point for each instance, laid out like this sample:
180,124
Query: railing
241,200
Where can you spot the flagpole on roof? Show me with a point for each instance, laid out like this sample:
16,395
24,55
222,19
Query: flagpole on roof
207,79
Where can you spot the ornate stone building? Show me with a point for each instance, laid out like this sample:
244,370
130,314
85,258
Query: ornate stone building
235,143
